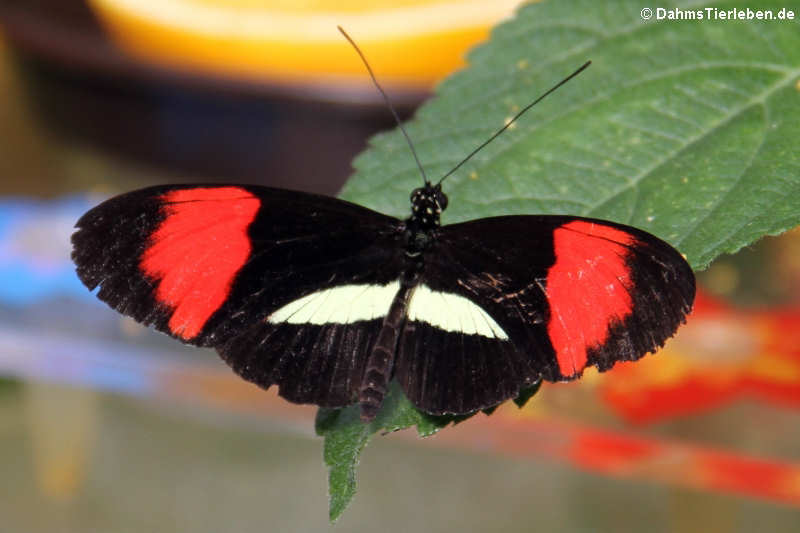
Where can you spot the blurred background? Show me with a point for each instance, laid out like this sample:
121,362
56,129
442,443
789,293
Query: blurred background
107,426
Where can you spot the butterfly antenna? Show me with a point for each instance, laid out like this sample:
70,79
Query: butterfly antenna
514,119
388,102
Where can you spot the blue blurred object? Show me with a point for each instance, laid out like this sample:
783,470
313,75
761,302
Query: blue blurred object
35,249
68,360
52,328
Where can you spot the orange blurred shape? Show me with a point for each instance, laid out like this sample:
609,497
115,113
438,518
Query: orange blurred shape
408,42
628,455
721,354
706,468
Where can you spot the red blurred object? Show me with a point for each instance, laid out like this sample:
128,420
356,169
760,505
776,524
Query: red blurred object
722,354
627,455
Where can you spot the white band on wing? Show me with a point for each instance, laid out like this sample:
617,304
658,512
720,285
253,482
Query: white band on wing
340,305
452,312
352,303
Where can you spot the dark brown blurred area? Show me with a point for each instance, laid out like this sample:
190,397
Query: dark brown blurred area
79,114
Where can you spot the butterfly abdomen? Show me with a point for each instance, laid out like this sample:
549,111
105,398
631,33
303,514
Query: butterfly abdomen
380,363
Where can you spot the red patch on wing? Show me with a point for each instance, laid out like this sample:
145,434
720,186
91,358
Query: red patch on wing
587,289
197,250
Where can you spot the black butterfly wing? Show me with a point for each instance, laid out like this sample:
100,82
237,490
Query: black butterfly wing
291,288
565,293
210,264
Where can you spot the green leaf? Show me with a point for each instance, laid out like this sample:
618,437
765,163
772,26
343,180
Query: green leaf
686,129
346,435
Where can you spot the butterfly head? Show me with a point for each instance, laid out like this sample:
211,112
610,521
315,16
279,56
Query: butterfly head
427,204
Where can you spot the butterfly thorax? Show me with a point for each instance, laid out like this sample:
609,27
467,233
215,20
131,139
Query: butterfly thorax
427,204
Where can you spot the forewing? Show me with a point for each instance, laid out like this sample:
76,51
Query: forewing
202,262
567,293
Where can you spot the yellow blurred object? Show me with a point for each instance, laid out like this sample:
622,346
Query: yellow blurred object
63,424
408,42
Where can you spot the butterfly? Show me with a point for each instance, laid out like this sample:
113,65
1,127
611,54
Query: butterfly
330,301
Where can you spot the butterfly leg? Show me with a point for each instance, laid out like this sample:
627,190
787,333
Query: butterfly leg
379,366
